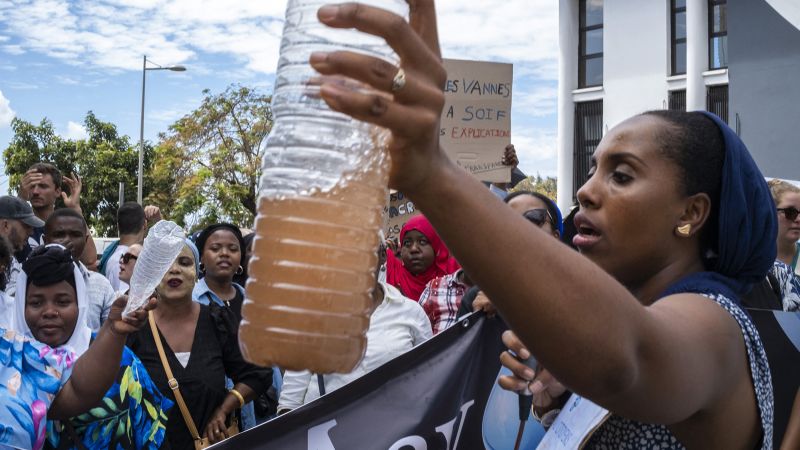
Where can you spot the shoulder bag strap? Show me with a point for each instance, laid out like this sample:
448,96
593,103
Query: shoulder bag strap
173,383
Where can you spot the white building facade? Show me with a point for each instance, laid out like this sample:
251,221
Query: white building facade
619,58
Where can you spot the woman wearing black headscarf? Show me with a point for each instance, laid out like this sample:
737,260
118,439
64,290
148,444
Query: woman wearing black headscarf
40,381
132,415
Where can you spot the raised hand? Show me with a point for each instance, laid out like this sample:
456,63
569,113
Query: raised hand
510,156
122,325
152,214
410,112
30,178
75,185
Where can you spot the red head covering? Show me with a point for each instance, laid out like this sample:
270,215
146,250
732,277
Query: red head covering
443,264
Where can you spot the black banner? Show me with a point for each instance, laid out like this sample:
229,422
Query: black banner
780,333
443,394
433,397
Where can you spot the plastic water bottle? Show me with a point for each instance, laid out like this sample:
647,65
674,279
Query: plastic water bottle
162,245
322,191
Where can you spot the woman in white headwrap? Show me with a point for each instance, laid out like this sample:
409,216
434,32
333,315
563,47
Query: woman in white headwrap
133,412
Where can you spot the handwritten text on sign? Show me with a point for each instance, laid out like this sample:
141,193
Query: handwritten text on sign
476,120
397,213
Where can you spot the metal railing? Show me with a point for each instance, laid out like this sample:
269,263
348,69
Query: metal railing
717,101
588,132
677,100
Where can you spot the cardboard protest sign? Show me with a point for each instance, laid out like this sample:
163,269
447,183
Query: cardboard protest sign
476,120
399,210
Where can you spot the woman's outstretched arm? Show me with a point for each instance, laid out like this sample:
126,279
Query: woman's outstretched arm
662,363
96,369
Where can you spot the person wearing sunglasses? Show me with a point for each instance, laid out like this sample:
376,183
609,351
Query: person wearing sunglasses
539,210
787,200
127,262
780,289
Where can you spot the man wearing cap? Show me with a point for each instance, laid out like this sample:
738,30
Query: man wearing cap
17,222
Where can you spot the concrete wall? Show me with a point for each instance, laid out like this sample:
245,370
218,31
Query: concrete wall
636,58
764,58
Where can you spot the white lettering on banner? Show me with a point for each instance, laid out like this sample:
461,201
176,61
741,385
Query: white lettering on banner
447,431
318,438
417,442
464,409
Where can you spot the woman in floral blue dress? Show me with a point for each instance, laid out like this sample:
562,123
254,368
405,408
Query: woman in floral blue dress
40,381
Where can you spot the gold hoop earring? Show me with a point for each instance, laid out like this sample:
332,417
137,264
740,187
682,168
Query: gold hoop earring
684,230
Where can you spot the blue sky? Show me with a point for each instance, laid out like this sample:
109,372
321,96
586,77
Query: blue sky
60,59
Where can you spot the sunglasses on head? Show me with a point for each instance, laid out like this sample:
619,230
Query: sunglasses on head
127,257
790,212
538,216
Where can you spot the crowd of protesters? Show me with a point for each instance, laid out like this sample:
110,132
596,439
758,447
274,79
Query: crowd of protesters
67,350
676,232
63,309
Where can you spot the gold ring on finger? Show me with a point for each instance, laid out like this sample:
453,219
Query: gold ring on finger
399,80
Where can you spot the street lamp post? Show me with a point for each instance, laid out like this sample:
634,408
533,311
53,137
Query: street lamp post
140,180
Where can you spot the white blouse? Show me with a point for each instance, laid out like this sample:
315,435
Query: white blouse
396,326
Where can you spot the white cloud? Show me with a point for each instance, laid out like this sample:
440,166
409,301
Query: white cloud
113,34
63,79
105,37
166,115
75,131
13,49
518,31
6,113
541,100
21,85
536,150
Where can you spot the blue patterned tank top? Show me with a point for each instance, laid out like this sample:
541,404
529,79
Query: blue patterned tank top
620,433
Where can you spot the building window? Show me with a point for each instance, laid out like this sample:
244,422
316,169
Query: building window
677,100
717,101
591,43
717,34
588,132
678,37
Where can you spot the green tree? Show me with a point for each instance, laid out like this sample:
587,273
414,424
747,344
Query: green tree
103,160
206,167
546,186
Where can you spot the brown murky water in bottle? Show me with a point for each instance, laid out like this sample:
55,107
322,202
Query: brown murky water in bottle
312,274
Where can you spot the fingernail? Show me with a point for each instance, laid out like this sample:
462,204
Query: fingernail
524,353
331,93
327,13
529,374
318,58
536,387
